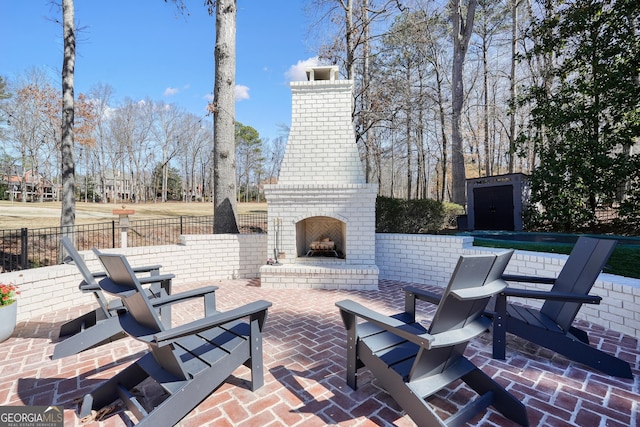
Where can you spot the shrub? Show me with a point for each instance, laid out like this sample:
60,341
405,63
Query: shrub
451,213
409,216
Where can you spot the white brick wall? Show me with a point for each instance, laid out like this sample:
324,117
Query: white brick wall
200,257
428,259
422,259
329,276
321,145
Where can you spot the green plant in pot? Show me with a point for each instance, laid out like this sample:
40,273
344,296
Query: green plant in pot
8,309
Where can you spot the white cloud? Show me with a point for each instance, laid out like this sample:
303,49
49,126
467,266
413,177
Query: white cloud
108,112
297,72
171,91
241,92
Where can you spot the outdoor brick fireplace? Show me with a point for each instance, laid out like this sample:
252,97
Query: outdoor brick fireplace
321,212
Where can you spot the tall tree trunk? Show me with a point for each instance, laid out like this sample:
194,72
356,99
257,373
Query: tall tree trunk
408,133
366,103
461,36
68,214
421,180
485,107
350,33
443,134
224,161
512,85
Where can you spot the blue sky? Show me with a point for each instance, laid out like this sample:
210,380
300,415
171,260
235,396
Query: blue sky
145,48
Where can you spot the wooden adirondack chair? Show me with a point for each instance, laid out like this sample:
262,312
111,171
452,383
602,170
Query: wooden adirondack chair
101,326
551,326
189,361
412,362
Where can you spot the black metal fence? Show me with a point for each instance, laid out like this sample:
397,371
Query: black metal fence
38,247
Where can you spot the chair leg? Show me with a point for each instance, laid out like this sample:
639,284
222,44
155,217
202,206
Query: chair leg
256,361
500,327
185,398
76,325
573,348
580,334
405,394
109,391
578,351
349,321
104,332
503,401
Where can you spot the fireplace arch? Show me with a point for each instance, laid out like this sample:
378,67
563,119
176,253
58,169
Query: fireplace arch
321,236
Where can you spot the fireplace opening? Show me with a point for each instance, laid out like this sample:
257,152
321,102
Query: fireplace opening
321,236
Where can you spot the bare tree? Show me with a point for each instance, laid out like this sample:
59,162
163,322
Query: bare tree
195,139
33,131
168,130
101,95
462,31
131,148
68,214
351,44
512,84
223,108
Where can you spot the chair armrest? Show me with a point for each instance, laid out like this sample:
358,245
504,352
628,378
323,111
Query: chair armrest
182,296
409,332
146,268
487,290
86,287
529,279
422,294
154,279
460,335
142,269
191,328
551,295
411,294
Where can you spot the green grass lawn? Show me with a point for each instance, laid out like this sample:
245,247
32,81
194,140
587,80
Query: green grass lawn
625,260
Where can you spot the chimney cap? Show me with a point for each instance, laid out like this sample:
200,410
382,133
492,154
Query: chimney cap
328,72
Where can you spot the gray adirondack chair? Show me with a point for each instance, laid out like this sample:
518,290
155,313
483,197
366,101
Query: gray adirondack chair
189,361
551,326
413,362
101,326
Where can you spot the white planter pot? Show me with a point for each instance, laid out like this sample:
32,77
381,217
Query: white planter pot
8,317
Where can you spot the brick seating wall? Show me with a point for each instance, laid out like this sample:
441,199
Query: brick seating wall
421,259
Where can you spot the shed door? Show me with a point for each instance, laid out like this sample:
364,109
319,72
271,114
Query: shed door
493,208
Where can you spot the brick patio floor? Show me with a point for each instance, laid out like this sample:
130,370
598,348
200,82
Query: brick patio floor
304,352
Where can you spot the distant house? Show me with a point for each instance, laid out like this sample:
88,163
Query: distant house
116,187
29,187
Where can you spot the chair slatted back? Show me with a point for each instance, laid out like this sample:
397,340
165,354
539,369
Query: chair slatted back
132,294
453,314
87,276
472,271
585,263
140,320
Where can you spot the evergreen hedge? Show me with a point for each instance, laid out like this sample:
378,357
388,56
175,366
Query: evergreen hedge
409,216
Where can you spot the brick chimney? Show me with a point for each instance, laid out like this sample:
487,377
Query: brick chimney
321,194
